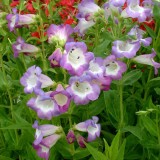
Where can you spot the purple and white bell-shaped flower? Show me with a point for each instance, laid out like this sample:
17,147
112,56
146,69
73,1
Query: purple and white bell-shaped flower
16,20
33,80
117,3
91,127
76,58
43,131
148,59
62,98
55,58
125,49
59,33
137,34
83,90
96,68
83,25
44,105
111,10
134,10
45,145
114,68
21,47
87,9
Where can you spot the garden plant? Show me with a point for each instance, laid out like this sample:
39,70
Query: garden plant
79,79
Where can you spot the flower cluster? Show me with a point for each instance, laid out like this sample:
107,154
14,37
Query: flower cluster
88,75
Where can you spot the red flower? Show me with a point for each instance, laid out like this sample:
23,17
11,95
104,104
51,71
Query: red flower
30,7
14,3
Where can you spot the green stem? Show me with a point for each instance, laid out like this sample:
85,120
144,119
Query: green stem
147,89
24,62
121,123
41,33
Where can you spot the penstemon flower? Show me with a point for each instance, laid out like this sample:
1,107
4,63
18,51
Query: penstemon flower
91,127
83,90
76,58
86,15
21,47
125,49
55,58
44,105
87,9
138,35
114,68
33,80
45,145
96,68
117,3
16,20
148,60
43,131
134,10
83,25
59,33
62,98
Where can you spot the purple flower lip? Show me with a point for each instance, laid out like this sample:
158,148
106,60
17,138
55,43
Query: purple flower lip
83,90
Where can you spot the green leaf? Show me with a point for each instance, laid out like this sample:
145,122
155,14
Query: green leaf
112,106
101,49
107,150
64,148
155,82
157,90
120,155
115,146
150,31
81,153
96,107
131,77
135,130
97,155
149,125
5,158
156,12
